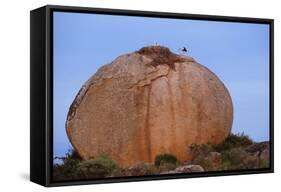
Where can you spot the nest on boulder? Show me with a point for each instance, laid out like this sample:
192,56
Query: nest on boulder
161,55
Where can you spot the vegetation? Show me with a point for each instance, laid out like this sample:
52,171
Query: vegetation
232,154
161,55
234,141
165,159
137,170
200,155
96,168
237,152
144,169
73,167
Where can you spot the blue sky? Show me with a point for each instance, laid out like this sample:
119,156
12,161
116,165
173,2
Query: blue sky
237,52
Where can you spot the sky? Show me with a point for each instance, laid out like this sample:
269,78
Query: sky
238,53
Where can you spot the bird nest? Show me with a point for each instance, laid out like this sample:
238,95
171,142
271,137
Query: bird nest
161,56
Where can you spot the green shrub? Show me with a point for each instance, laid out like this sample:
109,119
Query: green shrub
96,168
234,141
73,167
237,159
165,159
234,157
231,150
264,163
67,170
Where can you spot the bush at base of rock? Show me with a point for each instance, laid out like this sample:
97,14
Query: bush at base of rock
233,141
165,159
67,170
237,152
96,168
73,167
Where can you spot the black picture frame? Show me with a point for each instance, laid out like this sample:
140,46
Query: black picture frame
41,91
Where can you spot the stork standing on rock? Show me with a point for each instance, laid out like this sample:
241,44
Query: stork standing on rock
183,50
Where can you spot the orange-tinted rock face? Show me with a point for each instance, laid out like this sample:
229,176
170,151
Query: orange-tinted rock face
132,110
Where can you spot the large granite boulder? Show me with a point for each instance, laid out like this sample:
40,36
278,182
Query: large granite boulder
146,103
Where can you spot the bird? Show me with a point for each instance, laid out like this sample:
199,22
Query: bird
183,50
